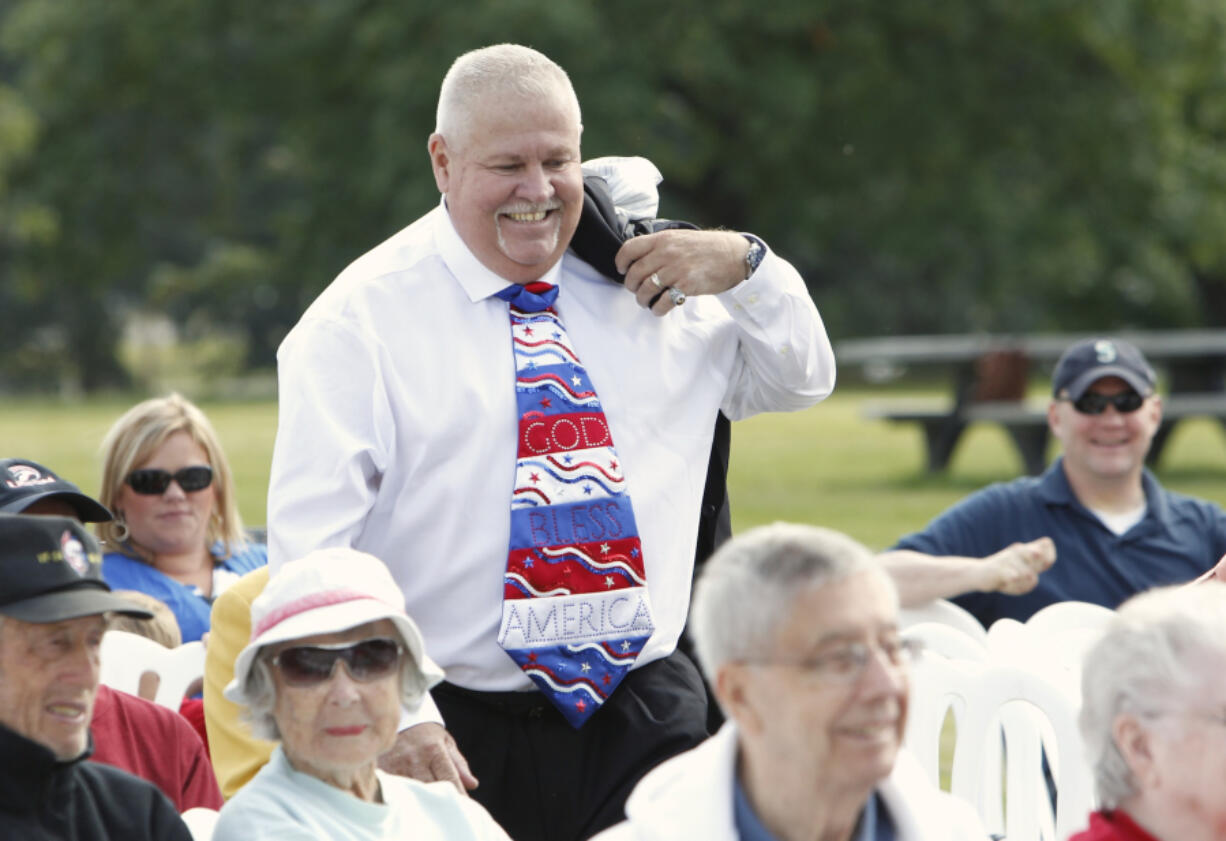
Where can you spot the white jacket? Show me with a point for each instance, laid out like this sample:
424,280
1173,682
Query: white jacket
690,796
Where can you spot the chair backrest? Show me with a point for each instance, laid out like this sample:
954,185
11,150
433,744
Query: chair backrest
948,641
946,612
1053,642
1036,717
933,697
200,822
126,656
1066,616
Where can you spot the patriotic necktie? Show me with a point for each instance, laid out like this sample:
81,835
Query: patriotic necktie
575,611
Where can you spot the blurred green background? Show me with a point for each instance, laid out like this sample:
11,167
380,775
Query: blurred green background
181,177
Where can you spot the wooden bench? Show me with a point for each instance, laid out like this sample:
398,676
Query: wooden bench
1026,423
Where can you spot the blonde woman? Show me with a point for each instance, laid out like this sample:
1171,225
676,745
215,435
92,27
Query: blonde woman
177,534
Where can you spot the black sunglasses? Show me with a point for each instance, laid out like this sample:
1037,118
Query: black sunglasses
152,481
308,665
1095,404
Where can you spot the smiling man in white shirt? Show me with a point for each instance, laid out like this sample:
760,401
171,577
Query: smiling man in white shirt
398,430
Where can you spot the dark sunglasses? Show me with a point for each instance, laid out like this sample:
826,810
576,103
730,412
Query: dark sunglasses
1095,404
152,481
308,665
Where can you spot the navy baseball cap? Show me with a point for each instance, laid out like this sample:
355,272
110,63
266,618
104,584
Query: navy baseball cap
24,482
1089,360
51,570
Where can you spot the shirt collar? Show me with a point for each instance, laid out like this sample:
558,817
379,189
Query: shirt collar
1054,489
477,281
874,823
749,826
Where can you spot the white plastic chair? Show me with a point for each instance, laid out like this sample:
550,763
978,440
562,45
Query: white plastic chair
200,822
1065,616
1037,717
948,641
929,702
1053,649
126,656
945,612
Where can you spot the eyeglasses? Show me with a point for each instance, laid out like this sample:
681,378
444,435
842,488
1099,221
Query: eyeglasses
368,660
152,481
847,663
1092,403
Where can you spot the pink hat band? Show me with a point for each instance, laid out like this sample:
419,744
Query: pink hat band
311,601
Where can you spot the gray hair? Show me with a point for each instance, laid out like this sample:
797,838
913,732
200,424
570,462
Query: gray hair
746,590
509,70
261,692
1152,651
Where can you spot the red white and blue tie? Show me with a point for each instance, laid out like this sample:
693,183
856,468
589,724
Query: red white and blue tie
575,609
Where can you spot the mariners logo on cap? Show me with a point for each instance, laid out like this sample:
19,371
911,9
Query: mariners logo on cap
24,475
74,553
1105,352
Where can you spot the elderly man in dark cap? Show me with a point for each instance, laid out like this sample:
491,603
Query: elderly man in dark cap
151,741
53,608
1116,530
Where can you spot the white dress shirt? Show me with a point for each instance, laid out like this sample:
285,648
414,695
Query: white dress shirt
397,422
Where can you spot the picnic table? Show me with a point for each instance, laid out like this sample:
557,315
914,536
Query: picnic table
988,377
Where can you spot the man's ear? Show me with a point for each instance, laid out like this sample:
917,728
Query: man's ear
734,691
1053,419
440,161
1155,406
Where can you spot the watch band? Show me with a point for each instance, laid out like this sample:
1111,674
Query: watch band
753,257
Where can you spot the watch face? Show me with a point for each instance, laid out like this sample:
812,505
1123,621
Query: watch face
753,257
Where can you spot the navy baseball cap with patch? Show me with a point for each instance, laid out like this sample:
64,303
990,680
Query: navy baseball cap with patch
50,570
24,482
1088,361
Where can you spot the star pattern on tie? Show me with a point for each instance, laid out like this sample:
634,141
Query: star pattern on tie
574,551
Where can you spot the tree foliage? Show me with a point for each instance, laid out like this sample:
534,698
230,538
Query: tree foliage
930,167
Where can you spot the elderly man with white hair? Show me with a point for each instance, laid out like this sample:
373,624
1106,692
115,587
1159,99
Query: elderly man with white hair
54,608
1154,718
796,628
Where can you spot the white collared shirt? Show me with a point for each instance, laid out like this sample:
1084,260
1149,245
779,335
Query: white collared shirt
397,422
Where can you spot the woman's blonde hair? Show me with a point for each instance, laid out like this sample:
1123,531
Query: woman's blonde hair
132,441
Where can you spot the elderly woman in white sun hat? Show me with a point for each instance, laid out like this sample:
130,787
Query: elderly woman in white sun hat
333,660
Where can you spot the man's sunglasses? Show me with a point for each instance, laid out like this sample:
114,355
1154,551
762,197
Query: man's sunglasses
309,665
153,482
1095,404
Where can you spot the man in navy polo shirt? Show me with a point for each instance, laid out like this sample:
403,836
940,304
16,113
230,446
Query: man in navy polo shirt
1115,530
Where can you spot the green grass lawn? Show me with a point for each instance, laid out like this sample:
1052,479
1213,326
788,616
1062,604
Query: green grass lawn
827,465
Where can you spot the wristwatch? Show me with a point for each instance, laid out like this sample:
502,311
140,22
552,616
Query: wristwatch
753,257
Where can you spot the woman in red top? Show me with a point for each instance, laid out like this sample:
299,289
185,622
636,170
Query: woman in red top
1154,718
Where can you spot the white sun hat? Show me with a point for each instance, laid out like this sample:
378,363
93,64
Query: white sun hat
328,591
